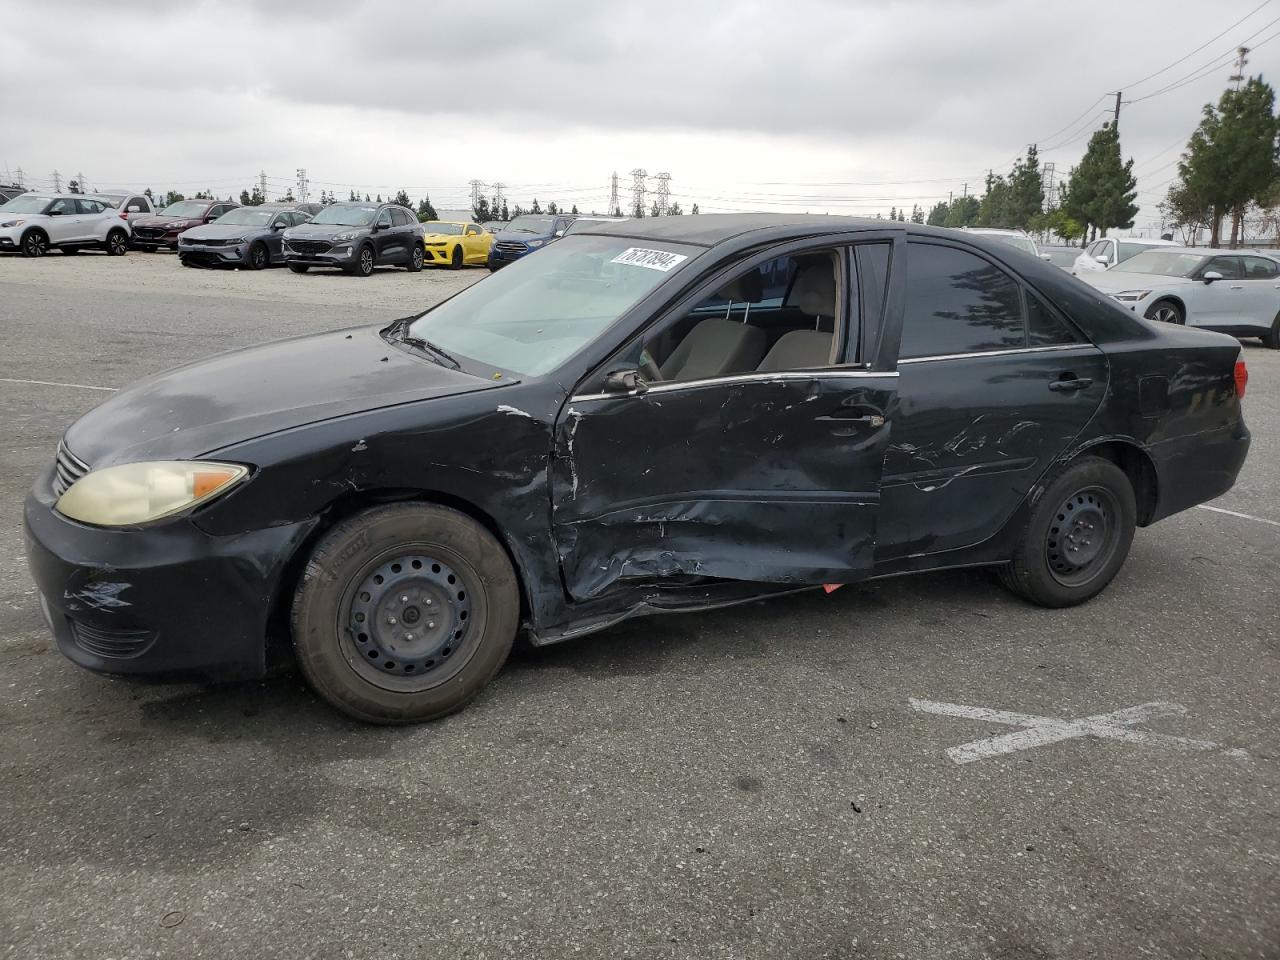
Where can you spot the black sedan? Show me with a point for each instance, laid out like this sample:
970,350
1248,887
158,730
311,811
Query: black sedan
651,415
250,237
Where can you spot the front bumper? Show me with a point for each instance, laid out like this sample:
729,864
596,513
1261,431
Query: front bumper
500,258
213,256
433,253
168,601
9,238
339,255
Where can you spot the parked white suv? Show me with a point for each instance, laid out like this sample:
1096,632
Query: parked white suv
1106,253
34,222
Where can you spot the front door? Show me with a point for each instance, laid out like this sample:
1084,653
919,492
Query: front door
384,237
994,384
64,220
749,451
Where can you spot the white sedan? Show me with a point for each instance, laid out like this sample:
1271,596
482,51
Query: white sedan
1230,291
1106,253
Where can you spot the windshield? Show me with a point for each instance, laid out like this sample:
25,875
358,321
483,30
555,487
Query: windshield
185,208
530,225
449,229
347,214
535,314
1164,263
248,216
26,204
1024,244
109,200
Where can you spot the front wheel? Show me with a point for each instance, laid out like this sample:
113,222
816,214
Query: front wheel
363,267
1077,536
259,257
404,613
1167,311
415,259
455,261
35,244
299,267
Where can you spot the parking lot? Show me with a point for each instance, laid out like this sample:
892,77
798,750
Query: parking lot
772,780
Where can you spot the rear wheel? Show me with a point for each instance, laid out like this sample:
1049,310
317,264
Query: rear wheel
1271,339
1077,536
404,613
1167,311
455,261
415,259
117,243
299,267
35,244
259,257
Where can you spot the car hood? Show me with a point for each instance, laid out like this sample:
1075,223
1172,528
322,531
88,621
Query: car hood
1113,281
519,236
224,231
204,406
321,231
167,222
442,236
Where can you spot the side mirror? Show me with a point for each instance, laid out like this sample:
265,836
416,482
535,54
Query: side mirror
1210,275
558,233
1103,259
381,226
277,226
624,381
1045,256
134,208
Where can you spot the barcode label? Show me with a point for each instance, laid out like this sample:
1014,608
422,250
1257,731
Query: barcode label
653,259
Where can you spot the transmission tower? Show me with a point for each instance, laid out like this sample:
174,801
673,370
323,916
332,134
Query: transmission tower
262,184
476,187
638,176
303,183
614,209
1050,188
17,178
498,199
664,193
57,182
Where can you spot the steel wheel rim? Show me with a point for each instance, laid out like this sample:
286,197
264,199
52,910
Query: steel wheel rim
366,260
35,245
406,622
1082,536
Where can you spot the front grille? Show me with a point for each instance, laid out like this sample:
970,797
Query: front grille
310,246
148,233
211,243
117,644
512,246
67,469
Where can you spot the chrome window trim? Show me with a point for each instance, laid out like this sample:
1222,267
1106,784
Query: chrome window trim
759,377
995,353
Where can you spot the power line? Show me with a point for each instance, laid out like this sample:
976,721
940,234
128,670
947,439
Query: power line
1188,56
1221,60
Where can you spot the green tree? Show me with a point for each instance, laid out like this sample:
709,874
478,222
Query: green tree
694,210
480,212
938,215
1026,192
425,210
993,209
244,198
505,215
893,213
637,211
1057,221
516,211
535,208
574,211
674,210
1187,209
917,215
963,212
552,208
655,210
1101,190
354,197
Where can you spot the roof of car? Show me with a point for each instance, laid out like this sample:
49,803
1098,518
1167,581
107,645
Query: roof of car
1217,251
708,229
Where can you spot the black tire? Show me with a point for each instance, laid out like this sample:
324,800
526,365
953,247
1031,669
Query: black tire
187,261
386,674
299,267
1062,558
455,259
1271,339
259,255
34,243
416,256
363,266
117,244
1167,311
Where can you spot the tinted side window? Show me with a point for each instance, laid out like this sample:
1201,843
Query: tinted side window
958,303
1229,267
89,206
384,216
1044,329
62,207
1260,268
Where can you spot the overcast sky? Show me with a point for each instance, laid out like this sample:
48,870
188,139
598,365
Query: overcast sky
839,106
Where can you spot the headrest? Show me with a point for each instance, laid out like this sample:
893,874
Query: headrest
814,291
748,288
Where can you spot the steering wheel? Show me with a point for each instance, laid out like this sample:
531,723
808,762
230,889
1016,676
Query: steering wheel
648,368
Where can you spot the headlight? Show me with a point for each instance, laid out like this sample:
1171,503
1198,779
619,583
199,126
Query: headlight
139,492
536,243
12,223
1129,296
349,235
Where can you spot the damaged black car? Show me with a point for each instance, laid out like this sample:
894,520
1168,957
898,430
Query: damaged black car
652,415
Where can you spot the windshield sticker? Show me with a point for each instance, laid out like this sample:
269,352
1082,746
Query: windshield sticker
653,259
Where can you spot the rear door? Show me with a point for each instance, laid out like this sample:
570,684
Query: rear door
994,384
1262,288
765,470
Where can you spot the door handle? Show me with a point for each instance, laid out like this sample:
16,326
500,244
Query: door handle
872,420
1069,384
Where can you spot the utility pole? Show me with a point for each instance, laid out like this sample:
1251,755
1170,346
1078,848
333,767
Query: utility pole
303,183
664,193
1116,123
614,209
638,176
57,182
1241,59
965,192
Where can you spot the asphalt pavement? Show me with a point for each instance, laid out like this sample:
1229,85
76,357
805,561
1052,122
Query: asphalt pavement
778,780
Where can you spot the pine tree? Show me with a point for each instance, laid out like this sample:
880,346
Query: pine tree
1025,198
674,210
552,208
244,198
655,210
938,215
893,213
425,210
574,211
480,212
902,216
963,212
694,210
1101,190
993,209
917,215
505,215
403,199
353,198
535,208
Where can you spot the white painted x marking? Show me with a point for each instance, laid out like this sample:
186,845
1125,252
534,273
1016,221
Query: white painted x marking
1039,731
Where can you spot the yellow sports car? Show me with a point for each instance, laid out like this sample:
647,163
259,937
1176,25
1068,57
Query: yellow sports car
455,244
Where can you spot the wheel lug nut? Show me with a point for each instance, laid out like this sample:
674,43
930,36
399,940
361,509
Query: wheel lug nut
427,603
404,599
391,620
431,624
408,637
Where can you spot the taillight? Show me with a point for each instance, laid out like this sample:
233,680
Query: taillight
1242,378
124,215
